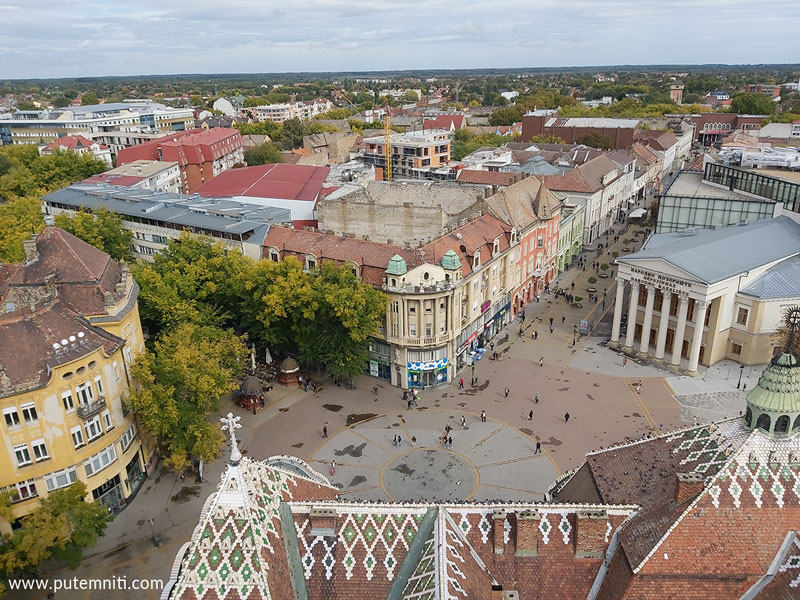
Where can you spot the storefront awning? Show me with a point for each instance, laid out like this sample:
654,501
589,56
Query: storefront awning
638,213
537,273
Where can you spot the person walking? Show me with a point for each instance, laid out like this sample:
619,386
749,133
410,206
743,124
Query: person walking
324,432
305,384
639,387
563,319
461,383
463,422
541,361
450,441
538,448
506,391
530,416
491,346
551,321
566,417
536,398
483,416
552,329
300,380
399,441
333,467
394,440
405,395
409,403
624,361
536,334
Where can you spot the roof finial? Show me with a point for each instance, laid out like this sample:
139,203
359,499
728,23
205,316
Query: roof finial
231,423
793,322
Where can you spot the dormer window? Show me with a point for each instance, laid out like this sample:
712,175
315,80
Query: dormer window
513,236
496,247
476,260
311,262
274,256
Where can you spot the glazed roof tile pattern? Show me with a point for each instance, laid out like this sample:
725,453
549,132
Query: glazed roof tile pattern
466,577
421,585
238,533
784,584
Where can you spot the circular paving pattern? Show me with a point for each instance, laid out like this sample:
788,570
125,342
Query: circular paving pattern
429,474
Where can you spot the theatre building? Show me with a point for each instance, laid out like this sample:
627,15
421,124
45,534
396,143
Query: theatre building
700,296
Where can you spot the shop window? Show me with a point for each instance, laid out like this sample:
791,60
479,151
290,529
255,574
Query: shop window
741,315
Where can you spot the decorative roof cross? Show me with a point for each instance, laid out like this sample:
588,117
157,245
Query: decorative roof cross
793,322
231,424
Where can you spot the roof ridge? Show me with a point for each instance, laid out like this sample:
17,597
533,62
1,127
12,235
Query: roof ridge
68,243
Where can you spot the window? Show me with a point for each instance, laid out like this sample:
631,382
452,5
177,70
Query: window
311,263
741,316
98,382
476,261
39,450
274,256
100,461
395,307
412,330
442,327
21,491
85,394
107,422
127,438
77,436
60,479
428,307
12,417
412,309
29,413
67,400
475,285
22,455
540,241
93,429
736,348
441,304
116,370
428,330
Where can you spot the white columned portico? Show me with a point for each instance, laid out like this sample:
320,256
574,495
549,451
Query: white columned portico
701,307
677,342
633,304
661,341
644,345
618,310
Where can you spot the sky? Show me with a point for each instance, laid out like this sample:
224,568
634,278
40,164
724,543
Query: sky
78,38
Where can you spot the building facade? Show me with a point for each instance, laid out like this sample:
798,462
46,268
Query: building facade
79,145
681,305
201,154
414,155
153,175
570,233
69,331
618,132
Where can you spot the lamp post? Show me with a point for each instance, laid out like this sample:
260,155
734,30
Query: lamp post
156,543
741,370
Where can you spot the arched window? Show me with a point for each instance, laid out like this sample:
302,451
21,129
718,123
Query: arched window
782,424
748,417
796,425
763,421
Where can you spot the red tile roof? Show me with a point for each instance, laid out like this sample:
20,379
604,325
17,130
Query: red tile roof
194,146
571,181
444,122
71,142
488,177
284,181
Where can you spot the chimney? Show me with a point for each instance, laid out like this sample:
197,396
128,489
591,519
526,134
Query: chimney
687,487
323,521
50,285
499,519
31,251
497,592
527,533
590,534
108,299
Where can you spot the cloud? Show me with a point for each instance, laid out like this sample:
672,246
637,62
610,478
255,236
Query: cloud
113,37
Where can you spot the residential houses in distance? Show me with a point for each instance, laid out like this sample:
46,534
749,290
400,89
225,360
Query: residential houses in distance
69,332
79,145
113,124
201,154
278,113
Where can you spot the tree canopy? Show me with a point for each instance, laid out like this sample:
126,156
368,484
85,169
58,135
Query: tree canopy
61,527
505,116
179,386
264,154
595,139
102,229
752,104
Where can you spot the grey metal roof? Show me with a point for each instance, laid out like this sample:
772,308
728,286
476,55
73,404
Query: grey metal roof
713,255
780,281
213,214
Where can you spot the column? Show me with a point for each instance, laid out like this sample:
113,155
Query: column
618,310
644,346
700,318
677,343
662,325
633,305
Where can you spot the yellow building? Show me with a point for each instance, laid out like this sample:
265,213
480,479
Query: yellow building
69,330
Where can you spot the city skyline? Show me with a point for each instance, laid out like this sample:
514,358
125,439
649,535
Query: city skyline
49,41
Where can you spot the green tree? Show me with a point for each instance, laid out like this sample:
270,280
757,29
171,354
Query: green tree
102,229
595,139
25,105
19,219
195,100
410,96
89,98
292,133
752,104
505,116
547,139
261,155
269,128
179,387
61,527
190,281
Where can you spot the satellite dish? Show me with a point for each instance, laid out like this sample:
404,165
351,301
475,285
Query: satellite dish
56,346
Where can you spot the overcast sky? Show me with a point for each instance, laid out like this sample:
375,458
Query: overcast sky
53,38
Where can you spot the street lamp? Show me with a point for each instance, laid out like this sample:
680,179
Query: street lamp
741,370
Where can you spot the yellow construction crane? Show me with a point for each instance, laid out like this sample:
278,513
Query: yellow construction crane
387,145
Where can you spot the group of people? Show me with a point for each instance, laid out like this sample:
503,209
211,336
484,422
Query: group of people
412,397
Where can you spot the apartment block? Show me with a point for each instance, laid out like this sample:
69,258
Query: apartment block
414,155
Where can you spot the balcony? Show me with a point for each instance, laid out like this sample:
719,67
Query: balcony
86,411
